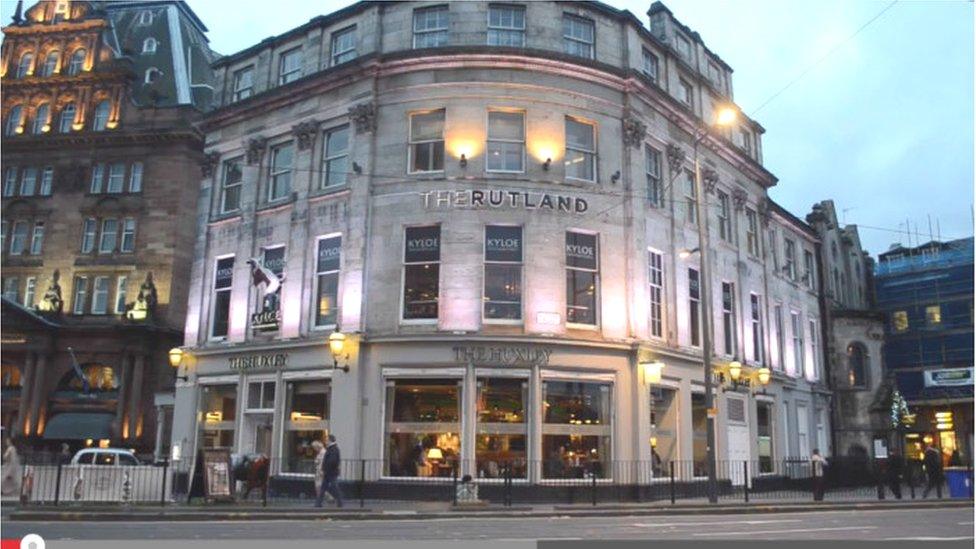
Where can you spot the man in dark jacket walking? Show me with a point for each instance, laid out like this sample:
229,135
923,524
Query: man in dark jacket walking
896,467
330,473
933,470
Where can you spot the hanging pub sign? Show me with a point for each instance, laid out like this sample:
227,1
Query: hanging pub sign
495,198
423,244
581,250
503,243
267,274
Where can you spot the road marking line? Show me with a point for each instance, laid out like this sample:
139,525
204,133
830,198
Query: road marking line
795,530
709,523
930,538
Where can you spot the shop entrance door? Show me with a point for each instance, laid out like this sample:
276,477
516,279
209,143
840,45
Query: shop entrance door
738,446
258,433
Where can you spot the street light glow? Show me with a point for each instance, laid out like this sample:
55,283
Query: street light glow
726,116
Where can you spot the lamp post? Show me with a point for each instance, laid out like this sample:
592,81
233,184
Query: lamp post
723,118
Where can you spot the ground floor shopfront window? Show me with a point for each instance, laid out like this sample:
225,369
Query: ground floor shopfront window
699,431
501,432
306,420
576,430
218,407
423,425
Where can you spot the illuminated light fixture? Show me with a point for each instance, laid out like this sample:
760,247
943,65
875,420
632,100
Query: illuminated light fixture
464,161
726,116
78,126
735,370
214,417
103,443
89,442
653,442
175,357
943,416
685,254
944,426
302,416
547,163
764,375
652,371
112,124
435,454
337,342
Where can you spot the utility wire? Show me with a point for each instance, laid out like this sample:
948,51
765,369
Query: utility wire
822,59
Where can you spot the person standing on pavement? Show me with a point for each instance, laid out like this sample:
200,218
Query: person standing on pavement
65,456
896,467
319,450
817,466
932,461
330,473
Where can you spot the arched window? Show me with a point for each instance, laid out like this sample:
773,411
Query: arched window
40,117
145,18
100,121
77,61
25,63
50,63
100,379
149,45
152,74
10,376
13,120
857,365
67,118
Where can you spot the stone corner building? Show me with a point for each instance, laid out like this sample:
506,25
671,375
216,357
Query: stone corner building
491,201
100,166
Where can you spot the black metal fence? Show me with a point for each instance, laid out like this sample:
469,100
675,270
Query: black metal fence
503,483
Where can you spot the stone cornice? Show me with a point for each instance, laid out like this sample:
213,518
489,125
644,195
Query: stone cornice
68,27
31,143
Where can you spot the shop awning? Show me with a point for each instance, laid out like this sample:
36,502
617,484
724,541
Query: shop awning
79,426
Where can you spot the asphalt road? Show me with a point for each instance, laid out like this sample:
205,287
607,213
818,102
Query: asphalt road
952,523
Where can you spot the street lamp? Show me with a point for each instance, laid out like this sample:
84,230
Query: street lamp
724,117
337,342
652,371
175,359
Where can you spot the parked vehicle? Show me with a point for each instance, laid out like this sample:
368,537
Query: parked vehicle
105,456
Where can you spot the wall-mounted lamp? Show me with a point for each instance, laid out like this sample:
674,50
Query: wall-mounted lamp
685,254
652,371
464,161
337,342
175,359
357,169
546,164
615,177
763,375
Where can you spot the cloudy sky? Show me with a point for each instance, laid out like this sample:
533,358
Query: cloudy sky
884,125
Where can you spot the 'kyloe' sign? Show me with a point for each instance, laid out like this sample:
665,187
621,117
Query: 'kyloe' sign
480,199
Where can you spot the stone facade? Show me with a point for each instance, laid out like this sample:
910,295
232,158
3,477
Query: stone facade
633,204
94,202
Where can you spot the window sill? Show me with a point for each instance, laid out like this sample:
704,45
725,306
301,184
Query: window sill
277,203
583,327
329,191
418,321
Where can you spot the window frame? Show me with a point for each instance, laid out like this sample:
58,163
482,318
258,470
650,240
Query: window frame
46,186
239,93
755,318
650,60
274,175
724,216
597,290
655,191
100,115
79,295
214,291
127,233
691,198
224,187
789,258
96,292
656,300
115,178
318,274
41,115
76,63
484,275
136,170
287,76
403,276
412,143
500,30
89,238
28,181
121,288
10,177
328,159
24,236
489,140
752,232
694,309
104,232
14,122
593,153
729,319
37,239
426,32
66,125
340,57
567,39
687,92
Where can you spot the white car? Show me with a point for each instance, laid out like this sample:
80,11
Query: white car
105,456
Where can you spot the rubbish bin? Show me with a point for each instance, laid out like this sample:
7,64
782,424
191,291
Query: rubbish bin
960,482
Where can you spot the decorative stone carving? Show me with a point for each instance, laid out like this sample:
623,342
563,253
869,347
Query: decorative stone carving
709,179
52,302
145,304
634,131
209,163
676,158
764,212
255,149
305,133
739,197
363,116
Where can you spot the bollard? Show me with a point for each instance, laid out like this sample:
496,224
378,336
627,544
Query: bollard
454,484
162,495
671,467
745,487
57,485
362,482
507,499
593,485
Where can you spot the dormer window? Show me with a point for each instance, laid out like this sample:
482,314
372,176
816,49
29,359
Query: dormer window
149,45
145,18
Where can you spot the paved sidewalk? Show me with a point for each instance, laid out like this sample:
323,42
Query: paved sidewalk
412,510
